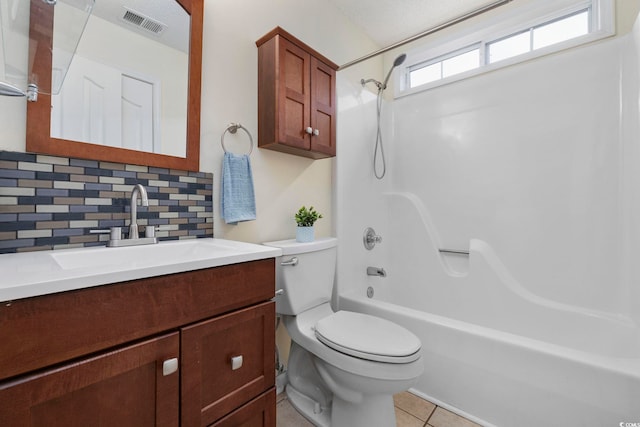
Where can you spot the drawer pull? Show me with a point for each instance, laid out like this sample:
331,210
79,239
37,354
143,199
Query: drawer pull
169,366
236,362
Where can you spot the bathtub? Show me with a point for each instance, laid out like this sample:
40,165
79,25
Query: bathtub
500,348
500,378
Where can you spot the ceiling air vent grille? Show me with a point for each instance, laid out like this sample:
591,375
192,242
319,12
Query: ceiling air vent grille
143,22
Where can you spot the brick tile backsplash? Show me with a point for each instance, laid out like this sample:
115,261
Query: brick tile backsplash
51,202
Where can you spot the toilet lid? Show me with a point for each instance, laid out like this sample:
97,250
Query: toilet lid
368,337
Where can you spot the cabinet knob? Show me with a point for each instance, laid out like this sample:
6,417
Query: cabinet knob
236,362
316,132
309,130
169,366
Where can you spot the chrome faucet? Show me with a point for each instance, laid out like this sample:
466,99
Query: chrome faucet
376,271
134,239
138,190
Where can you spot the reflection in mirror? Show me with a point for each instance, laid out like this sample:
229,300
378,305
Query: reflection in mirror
156,85
71,17
14,23
128,81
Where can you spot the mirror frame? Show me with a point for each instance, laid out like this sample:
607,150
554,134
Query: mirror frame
39,138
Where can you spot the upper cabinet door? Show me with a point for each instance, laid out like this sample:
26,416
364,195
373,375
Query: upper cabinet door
294,93
296,97
323,108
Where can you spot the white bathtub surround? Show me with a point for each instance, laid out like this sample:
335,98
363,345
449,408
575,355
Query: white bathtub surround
533,169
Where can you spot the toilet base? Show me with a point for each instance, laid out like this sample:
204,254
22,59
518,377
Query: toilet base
374,411
309,408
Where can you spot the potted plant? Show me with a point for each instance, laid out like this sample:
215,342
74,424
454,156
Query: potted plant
305,218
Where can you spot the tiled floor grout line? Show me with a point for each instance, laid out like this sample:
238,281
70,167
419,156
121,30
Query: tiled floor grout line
419,417
431,414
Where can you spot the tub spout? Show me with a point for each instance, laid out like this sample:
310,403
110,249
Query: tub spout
376,271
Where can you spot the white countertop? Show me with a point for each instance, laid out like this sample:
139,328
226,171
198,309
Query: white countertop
31,274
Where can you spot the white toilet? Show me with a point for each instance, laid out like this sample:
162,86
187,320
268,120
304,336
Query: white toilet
344,367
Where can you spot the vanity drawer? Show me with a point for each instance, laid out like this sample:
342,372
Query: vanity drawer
260,412
127,387
226,362
49,329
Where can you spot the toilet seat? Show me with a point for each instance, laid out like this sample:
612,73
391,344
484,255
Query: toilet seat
368,337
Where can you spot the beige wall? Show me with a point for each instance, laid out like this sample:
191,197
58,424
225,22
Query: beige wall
229,94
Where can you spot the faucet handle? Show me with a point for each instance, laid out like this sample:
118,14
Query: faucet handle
150,230
115,233
370,238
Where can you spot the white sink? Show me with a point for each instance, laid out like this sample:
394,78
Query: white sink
30,274
138,256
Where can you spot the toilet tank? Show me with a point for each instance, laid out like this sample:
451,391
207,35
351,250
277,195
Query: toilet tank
304,273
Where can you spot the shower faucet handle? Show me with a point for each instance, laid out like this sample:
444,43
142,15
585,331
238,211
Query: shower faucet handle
370,238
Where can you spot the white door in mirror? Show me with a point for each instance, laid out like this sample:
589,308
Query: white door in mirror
93,95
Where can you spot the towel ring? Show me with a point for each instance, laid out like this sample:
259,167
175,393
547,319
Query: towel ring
233,128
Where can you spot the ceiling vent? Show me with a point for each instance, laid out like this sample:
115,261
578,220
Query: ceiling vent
143,22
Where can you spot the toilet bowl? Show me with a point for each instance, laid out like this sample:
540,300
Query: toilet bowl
344,367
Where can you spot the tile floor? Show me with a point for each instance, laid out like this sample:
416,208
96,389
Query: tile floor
411,411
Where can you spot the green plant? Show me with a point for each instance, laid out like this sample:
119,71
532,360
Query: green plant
306,217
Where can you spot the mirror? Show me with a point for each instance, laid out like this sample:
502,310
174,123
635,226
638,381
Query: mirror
160,104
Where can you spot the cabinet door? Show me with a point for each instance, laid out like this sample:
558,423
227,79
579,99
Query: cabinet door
121,388
294,92
260,412
214,381
323,108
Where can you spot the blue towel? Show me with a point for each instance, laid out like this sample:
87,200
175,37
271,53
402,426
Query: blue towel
238,200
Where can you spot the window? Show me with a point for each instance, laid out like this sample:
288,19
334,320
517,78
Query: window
547,34
444,66
521,36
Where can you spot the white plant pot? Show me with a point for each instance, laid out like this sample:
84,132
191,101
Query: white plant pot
305,234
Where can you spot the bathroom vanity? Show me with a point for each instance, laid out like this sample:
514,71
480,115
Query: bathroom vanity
190,348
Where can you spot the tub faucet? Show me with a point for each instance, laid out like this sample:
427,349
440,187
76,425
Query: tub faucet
138,190
376,271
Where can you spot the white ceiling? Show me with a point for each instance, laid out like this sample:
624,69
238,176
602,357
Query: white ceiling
390,21
166,12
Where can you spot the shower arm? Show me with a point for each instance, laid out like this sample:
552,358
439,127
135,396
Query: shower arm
374,81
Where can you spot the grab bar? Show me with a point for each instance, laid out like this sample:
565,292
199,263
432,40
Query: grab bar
453,251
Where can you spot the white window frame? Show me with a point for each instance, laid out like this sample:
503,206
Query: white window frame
500,26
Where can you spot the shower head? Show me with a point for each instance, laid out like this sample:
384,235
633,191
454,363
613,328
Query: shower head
399,60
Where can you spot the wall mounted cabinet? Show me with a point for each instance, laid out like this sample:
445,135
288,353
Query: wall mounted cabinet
187,349
296,97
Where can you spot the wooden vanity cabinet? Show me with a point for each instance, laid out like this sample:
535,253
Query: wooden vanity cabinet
152,352
226,361
124,387
296,97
